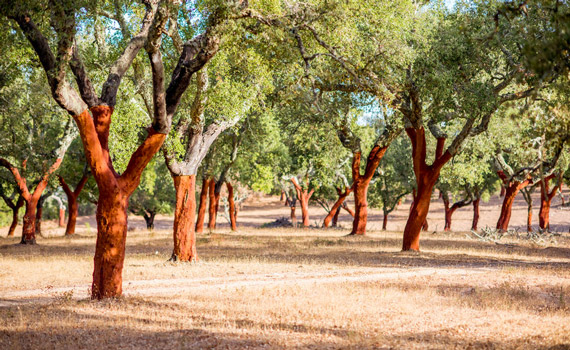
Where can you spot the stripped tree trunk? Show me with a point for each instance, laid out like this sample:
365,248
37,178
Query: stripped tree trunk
527,194
32,198
336,207
546,197
450,210
360,185
232,205
72,204
184,234
385,220
212,209
203,202
426,177
15,207
303,195
512,188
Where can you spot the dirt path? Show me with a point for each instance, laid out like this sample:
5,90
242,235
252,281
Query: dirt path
171,287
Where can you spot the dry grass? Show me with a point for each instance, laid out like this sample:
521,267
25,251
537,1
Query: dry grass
290,289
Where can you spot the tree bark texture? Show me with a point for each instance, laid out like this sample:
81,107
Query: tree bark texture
232,205
303,195
212,207
360,183
72,203
426,177
203,202
184,219
335,210
546,197
512,188
475,222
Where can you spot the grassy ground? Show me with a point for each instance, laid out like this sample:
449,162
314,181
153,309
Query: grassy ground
280,288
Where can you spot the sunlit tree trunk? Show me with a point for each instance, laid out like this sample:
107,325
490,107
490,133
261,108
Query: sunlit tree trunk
512,188
212,202
303,195
232,205
546,197
426,177
72,203
475,222
184,234
335,210
203,203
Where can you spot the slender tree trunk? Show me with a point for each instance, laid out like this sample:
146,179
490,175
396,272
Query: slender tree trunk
15,211
335,217
336,206
303,195
72,203
447,211
529,217
73,208
385,220
212,208
61,221
348,210
503,191
475,214
426,177
184,217
546,197
510,193
202,208
360,185
149,220
232,206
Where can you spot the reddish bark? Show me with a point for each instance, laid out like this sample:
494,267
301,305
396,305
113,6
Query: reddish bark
335,218
475,214
512,188
546,197
529,219
184,219
303,195
31,198
450,210
61,221
73,207
212,209
385,221
232,205
114,193
202,208
360,185
426,177
335,210
503,191
39,213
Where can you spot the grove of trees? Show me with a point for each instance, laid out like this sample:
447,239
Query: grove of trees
123,104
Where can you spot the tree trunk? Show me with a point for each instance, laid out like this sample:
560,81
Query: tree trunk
510,193
149,220
546,197
503,191
184,217
15,211
73,208
110,247
29,223
303,195
385,221
293,216
360,185
426,177
335,217
232,206
529,217
61,221
39,215
336,207
202,208
72,202
212,208
475,214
